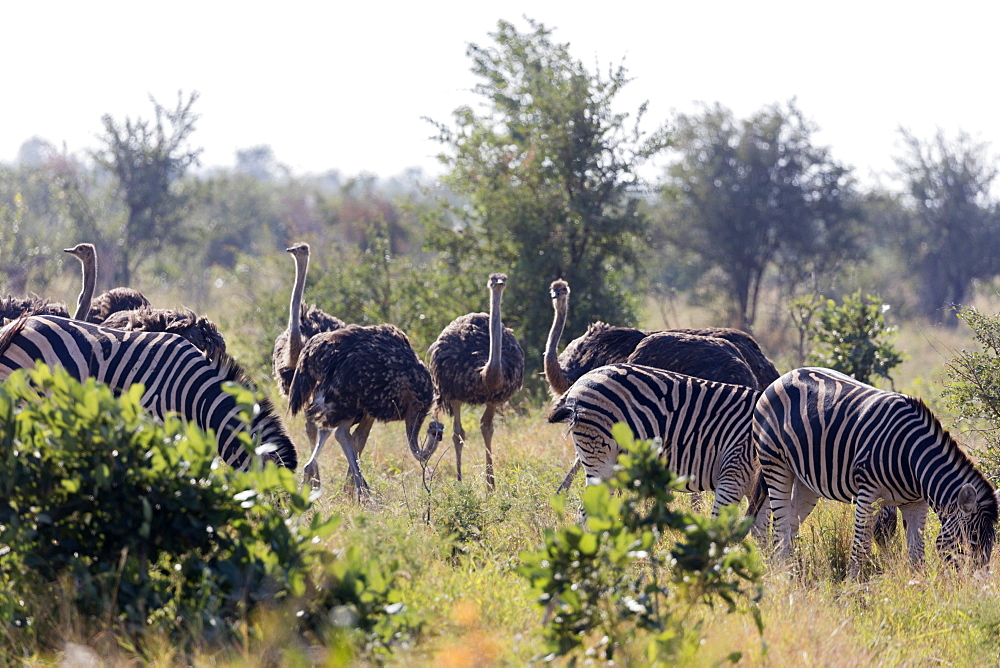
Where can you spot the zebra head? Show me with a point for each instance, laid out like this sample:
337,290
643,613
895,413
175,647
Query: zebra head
968,522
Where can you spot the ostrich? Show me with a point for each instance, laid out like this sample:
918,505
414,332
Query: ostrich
12,307
199,330
110,301
603,344
354,376
476,360
715,353
303,323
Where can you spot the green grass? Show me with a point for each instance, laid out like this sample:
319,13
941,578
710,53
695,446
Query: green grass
458,569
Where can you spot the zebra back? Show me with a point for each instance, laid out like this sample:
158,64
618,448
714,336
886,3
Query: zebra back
177,377
704,426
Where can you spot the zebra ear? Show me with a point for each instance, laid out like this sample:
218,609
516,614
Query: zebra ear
967,499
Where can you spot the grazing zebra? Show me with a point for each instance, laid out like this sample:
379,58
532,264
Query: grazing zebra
178,378
704,426
823,434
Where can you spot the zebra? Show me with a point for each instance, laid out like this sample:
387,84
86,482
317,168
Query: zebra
820,433
703,426
177,376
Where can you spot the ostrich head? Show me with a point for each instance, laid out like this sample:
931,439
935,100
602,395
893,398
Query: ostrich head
497,282
84,252
298,250
559,291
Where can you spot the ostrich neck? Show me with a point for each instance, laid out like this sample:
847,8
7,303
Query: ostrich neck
553,372
89,266
295,307
491,372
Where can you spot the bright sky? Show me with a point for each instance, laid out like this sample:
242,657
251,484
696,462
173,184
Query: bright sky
337,85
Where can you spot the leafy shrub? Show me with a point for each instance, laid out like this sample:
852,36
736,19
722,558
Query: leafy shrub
973,390
140,523
849,337
602,581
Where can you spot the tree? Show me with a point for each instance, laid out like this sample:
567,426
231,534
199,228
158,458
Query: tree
745,196
952,236
545,183
148,159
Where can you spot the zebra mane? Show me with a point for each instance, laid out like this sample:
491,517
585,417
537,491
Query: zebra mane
988,504
231,370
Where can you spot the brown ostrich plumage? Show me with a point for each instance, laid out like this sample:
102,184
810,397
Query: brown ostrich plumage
699,356
355,376
97,309
476,360
199,330
762,367
12,307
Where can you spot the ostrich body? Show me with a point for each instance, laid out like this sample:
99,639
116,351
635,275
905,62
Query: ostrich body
701,356
763,368
354,376
199,330
12,307
111,301
476,360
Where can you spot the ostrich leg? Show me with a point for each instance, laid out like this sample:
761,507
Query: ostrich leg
310,472
359,438
346,441
486,425
457,435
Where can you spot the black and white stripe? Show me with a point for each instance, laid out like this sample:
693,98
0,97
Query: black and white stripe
703,426
178,378
823,434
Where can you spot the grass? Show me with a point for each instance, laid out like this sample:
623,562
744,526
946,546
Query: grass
458,569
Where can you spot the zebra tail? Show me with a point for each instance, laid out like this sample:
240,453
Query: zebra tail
758,496
10,332
561,411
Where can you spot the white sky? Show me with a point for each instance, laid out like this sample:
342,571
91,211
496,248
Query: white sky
335,86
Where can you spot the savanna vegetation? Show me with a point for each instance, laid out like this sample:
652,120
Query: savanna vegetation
751,225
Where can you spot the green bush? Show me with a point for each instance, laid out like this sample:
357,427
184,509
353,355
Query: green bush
850,337
138,523
602,581
973,389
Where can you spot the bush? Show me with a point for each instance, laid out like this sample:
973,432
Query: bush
602,581
850,338
973,390
138,522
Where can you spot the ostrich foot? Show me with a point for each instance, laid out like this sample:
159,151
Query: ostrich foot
310,474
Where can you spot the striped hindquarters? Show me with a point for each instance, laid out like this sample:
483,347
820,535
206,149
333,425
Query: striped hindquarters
177,377
703,426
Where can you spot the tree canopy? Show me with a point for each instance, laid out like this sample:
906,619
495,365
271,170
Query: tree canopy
748,195
546,175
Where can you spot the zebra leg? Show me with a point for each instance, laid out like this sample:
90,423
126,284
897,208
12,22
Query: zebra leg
863,531
735,476
780,481
486,426
310,472
457,436
343,435
568,480
914,519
